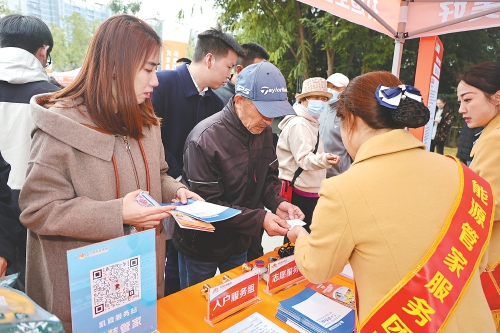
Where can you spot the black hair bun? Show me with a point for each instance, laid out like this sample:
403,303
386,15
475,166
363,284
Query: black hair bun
411,113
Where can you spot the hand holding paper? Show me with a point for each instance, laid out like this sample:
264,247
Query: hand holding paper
295,222
274,226
287,211
295,233
139,216
183,194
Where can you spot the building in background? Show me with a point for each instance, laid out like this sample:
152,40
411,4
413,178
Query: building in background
52,11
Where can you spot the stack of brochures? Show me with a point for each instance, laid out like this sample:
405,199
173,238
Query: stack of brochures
315,311
187,222
198,215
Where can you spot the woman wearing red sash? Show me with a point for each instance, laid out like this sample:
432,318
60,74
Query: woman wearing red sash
389,215
479,96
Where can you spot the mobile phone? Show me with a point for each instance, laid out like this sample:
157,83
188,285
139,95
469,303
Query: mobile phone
144,199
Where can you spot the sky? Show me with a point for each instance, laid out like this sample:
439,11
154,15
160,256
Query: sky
204,16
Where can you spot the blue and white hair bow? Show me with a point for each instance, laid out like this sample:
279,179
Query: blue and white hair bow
391,97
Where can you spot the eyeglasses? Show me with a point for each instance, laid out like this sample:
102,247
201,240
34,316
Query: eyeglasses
49,61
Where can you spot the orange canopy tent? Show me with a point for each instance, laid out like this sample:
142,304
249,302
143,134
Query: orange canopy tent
406,19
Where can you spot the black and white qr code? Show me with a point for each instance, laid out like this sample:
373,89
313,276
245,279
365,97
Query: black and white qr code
115,285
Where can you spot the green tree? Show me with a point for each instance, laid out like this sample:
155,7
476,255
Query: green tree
71,43
120,7
305,41
461,50
190,48
4,10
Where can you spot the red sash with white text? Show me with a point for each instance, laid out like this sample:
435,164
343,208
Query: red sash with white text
427,296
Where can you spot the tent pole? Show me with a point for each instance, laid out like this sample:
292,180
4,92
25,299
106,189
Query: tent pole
398,54
400,37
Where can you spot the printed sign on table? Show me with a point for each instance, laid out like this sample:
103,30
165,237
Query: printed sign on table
283,273
232,296
113,285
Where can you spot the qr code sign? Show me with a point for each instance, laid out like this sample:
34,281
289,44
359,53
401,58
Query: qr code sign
115,285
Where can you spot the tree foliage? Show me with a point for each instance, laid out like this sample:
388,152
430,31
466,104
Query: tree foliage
121,7
71,43
461,50
4,9
305,41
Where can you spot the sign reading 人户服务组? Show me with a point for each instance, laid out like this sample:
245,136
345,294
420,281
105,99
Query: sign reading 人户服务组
231,296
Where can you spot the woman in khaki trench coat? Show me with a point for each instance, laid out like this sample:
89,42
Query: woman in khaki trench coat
96,145
384,213
479,96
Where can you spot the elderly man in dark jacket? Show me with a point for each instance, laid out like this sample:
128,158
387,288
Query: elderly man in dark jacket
229,159
12,233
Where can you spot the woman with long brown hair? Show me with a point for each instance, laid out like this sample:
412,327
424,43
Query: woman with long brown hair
96,145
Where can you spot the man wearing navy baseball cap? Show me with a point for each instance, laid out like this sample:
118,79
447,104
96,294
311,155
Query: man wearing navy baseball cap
230,160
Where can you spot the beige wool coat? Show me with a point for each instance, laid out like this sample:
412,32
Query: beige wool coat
295,147
70,199
383,214
486,163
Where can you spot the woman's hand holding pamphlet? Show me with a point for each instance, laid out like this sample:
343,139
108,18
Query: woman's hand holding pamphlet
197,215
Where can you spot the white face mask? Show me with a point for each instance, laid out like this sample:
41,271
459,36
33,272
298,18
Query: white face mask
315,107
335,96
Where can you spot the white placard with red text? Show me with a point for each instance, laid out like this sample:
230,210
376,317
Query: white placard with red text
282,273
232,296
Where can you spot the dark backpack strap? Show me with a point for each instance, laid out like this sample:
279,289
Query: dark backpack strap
299,170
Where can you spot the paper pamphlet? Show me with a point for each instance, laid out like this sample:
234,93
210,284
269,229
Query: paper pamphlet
347,272
295,222
187,222
206,211
316,312
322,310
255,323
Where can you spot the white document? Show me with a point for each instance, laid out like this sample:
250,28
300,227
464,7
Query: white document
255,323
295,222
296,327
201,209
322,310
347,272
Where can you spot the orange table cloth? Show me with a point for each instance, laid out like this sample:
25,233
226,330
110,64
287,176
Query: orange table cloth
184,311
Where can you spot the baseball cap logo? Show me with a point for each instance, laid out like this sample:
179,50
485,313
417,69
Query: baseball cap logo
243,89
266,90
